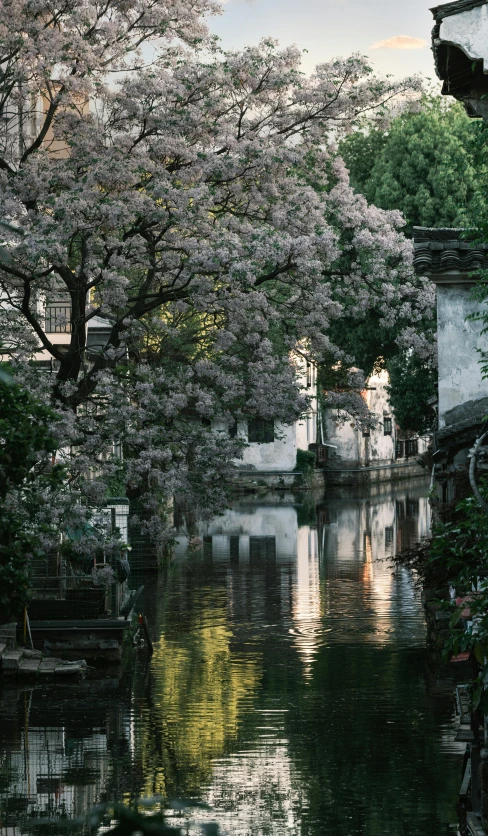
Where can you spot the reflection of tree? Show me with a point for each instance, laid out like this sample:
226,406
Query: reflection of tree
366,750
199,686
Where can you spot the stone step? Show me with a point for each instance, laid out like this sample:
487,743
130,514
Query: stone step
32,654
48,666
29,667
11,660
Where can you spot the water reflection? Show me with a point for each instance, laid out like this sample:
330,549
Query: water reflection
288,686
62,748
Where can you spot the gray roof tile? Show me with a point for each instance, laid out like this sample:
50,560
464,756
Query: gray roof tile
447,250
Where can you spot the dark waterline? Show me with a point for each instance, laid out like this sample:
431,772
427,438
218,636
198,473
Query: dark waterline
290,687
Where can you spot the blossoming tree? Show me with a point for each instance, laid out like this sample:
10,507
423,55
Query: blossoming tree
193,200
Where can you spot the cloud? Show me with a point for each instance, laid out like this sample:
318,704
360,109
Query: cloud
400,42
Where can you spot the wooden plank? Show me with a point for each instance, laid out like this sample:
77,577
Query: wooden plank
3,648
464,734
81,624
67,670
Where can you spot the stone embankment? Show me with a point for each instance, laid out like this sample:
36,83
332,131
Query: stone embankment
21,662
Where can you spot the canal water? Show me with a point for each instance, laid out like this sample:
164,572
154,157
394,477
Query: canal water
290,688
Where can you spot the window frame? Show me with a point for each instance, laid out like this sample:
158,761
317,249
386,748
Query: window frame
260,431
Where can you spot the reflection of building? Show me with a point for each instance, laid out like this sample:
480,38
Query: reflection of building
274,796
247,533
356,534
277,556
56,751
306,611
378,453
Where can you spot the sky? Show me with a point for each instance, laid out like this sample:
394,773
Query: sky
394,34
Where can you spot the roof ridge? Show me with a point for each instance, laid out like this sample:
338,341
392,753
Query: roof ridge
445,233
456,7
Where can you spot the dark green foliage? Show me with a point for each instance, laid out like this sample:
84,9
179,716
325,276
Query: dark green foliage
412,384
359,150
305,461
430,165
456,557
365,341
24,435
25,442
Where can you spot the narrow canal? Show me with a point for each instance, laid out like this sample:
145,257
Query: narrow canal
290,687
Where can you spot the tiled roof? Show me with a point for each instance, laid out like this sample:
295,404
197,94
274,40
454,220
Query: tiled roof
446,250
460,433
464,77
448,9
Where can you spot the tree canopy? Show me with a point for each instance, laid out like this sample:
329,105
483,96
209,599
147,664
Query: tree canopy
429,164
194,203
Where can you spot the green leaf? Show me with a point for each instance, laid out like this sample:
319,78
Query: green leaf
479,653
455,617
477,694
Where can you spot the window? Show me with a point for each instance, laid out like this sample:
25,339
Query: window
389,535
260,431
233,430
411,447
309,375
412,507
387,426
262,550
400,449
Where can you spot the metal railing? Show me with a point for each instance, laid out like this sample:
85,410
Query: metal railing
58,319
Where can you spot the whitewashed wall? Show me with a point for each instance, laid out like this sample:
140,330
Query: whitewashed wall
460,381
280,455
353,448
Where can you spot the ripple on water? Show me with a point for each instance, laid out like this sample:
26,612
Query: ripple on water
289,688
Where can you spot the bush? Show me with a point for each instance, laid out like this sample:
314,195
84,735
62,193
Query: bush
305,461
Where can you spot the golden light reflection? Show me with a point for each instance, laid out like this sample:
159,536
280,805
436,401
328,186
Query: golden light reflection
306,609
200,689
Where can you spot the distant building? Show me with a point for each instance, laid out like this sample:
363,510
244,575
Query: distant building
381,452
271,454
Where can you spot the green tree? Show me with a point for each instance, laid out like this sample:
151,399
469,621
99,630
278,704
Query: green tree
27,478
412,385
431,165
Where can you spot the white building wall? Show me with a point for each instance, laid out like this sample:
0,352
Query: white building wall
281,454
459,341
353,448
469,31
378,447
